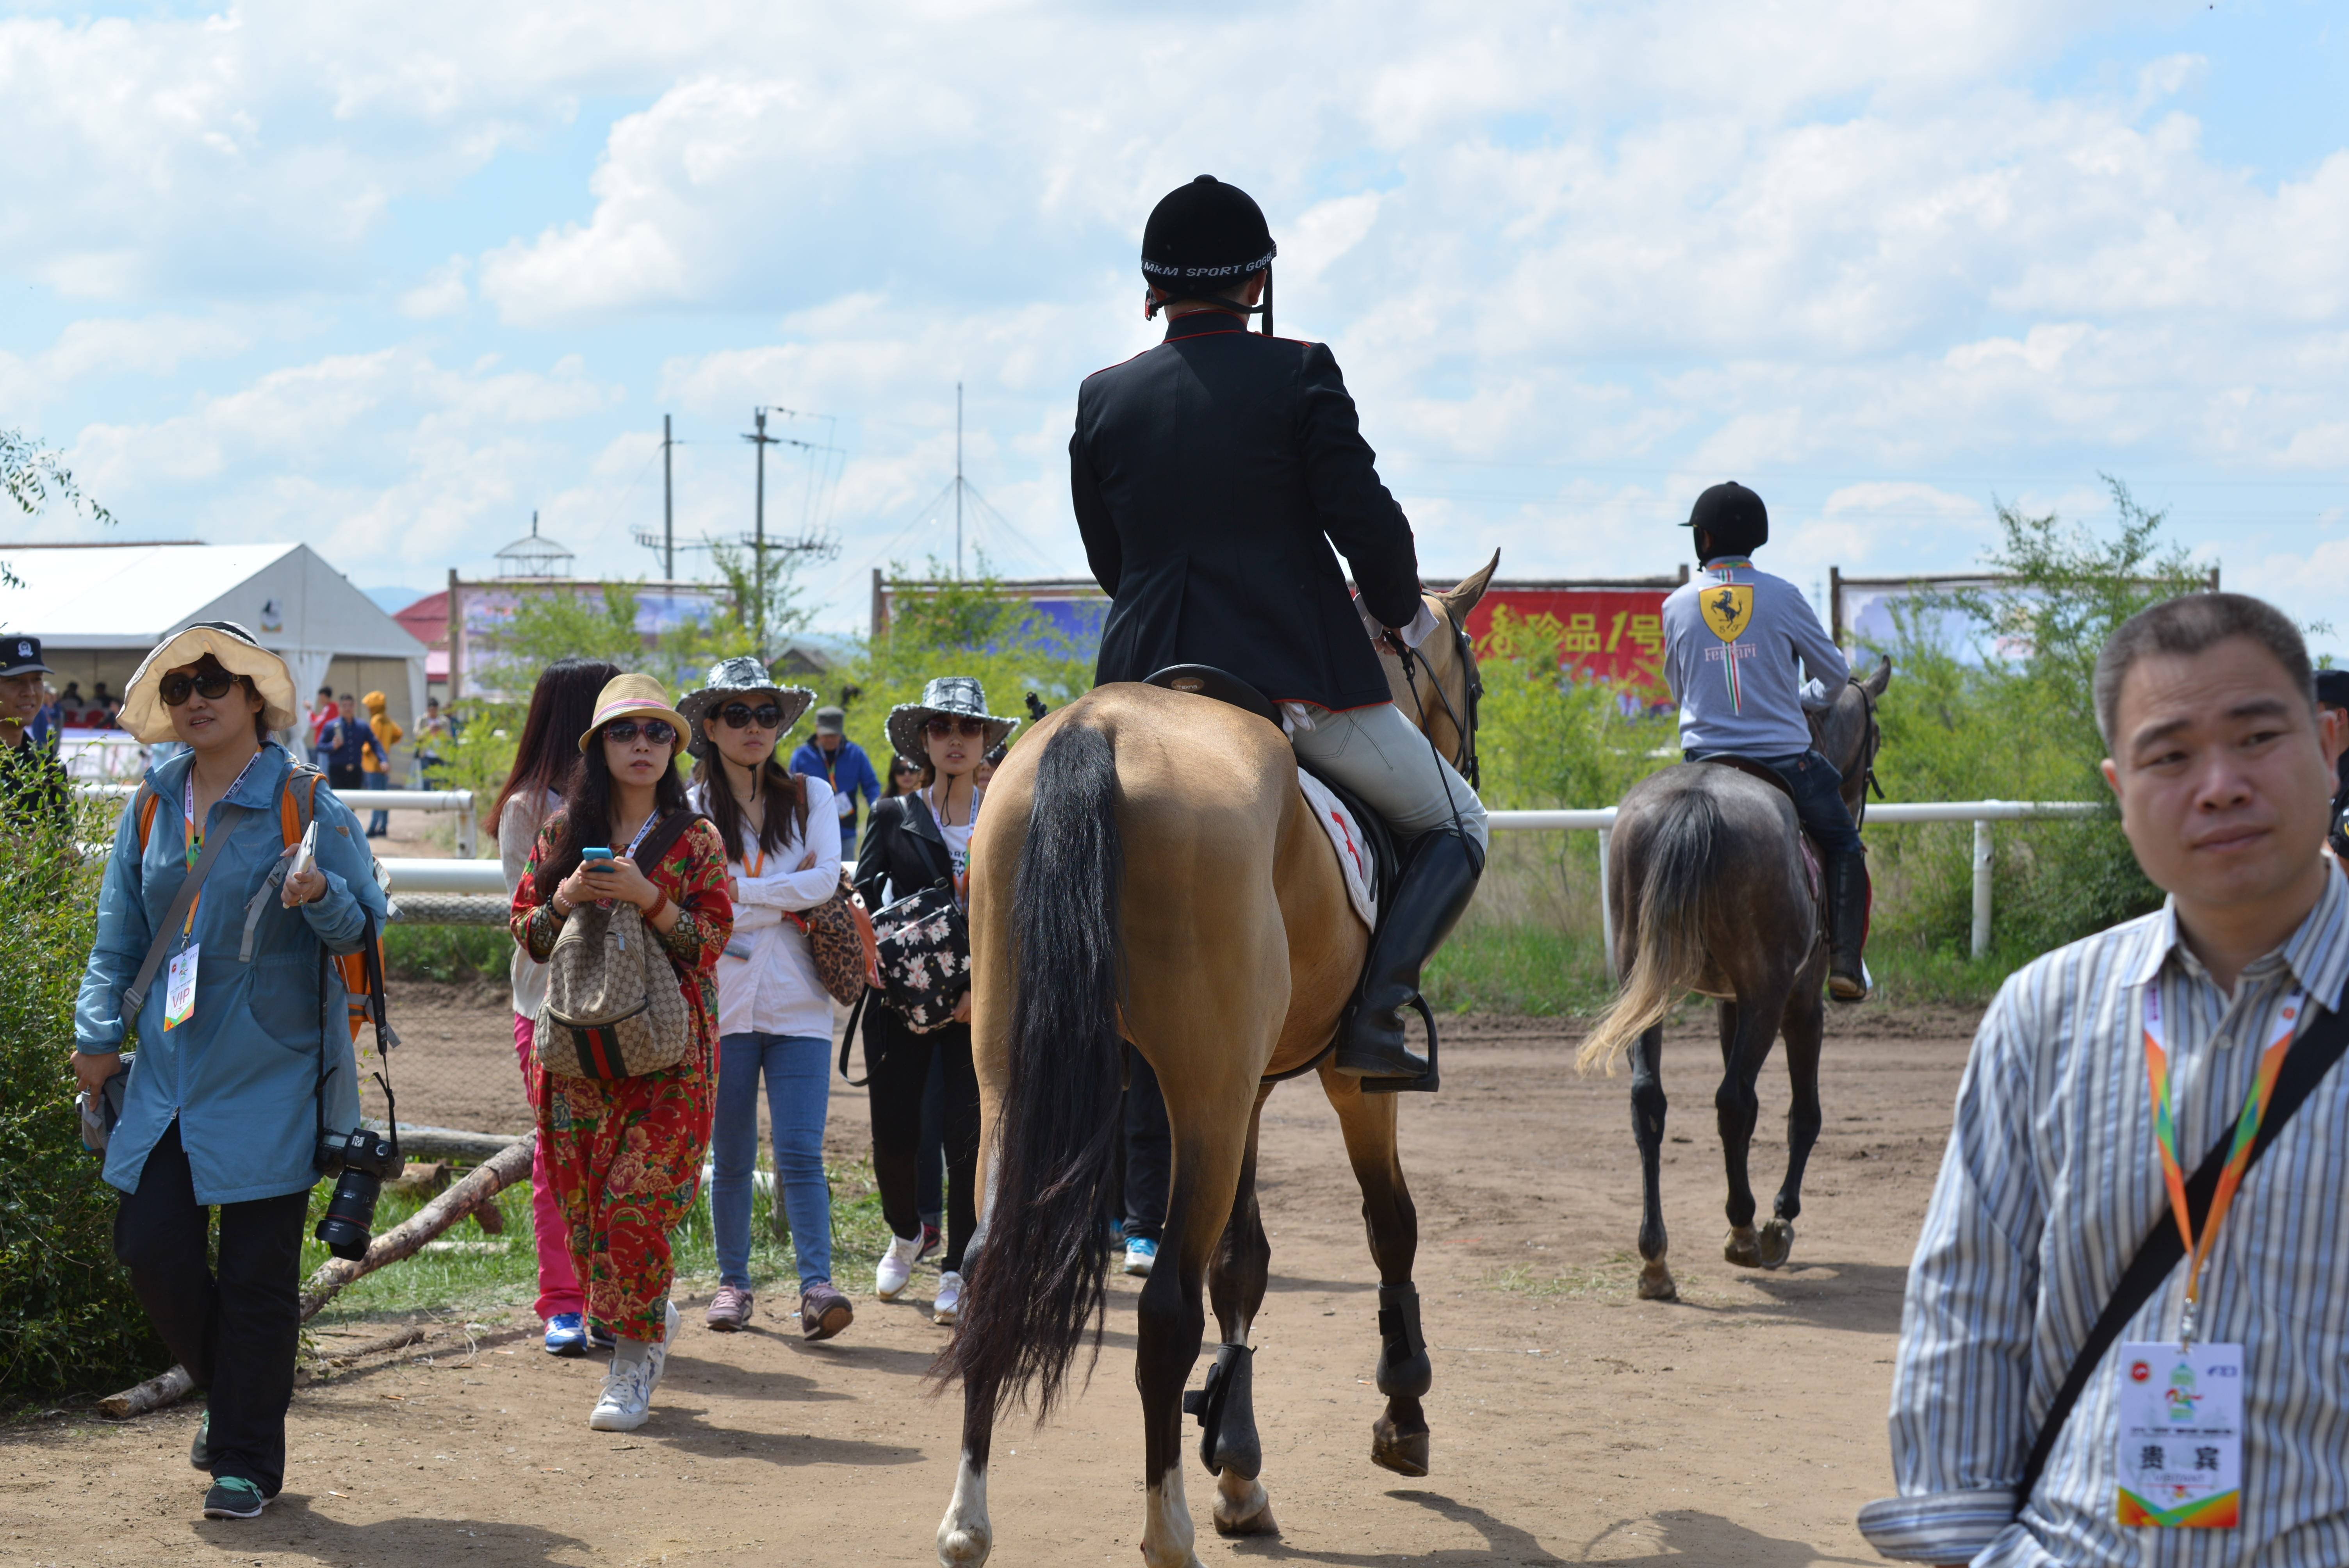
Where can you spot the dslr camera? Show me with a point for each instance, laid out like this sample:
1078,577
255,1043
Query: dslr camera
362,1159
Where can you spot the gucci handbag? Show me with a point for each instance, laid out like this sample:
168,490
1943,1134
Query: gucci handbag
613,1008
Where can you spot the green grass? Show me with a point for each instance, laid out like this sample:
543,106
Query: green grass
473,1282
1518,968
446,953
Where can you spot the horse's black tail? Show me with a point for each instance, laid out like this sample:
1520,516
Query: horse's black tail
1039,1273
1674,899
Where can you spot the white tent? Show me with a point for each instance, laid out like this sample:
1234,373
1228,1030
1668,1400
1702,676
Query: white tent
97,608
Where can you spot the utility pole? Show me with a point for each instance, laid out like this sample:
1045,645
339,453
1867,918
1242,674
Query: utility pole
760,440
669,507
957,481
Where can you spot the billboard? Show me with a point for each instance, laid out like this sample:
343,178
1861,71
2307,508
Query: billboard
1611,632
478,613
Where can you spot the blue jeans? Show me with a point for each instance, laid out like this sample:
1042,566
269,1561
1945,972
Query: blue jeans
798,1069
1818,797
379,823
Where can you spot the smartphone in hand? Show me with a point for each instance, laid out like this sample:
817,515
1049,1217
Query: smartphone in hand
596,857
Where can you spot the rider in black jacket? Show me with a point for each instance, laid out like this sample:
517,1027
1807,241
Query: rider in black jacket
1211,476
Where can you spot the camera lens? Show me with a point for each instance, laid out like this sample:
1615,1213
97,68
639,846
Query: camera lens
350,1215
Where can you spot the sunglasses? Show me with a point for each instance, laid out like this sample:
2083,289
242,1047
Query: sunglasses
659,731
945,726
211,684
742,716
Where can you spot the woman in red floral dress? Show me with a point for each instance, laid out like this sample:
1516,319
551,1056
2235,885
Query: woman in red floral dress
626,1154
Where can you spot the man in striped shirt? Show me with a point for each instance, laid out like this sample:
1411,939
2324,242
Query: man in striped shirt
2054,1176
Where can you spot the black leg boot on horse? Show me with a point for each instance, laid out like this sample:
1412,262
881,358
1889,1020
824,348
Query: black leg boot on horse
1439,878
1847,898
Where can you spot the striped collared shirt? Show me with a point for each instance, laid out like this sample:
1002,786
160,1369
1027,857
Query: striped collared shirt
2051,1179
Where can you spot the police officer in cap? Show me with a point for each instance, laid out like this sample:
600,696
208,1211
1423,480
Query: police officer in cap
1211,476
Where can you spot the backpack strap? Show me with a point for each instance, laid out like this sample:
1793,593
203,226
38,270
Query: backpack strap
144,805
649,852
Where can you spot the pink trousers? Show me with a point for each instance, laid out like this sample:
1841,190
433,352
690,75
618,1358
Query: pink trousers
558,1283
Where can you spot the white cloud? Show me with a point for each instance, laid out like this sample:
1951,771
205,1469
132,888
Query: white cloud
442,291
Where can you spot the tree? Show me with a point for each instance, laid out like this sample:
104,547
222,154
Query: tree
33,475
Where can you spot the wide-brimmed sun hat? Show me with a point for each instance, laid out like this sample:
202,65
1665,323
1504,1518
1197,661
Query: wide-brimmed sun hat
633,697
949,696
740,676
234,649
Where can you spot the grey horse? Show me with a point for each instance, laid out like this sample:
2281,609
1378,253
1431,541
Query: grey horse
1710,894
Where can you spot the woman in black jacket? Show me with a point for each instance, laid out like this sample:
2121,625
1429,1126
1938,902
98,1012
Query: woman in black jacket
914,841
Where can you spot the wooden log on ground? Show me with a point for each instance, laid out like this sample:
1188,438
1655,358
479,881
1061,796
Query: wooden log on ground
452,1143
404,1240
407,1238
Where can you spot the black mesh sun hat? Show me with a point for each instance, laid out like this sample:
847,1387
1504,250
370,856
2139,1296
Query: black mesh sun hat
1203,238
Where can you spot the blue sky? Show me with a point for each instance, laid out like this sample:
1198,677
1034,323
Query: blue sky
386,278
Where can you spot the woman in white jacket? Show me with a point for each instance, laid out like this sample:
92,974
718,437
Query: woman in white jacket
774,1017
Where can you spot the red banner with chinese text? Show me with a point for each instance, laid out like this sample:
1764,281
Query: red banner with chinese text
1612,634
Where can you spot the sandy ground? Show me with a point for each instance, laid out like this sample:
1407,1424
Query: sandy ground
1572,1423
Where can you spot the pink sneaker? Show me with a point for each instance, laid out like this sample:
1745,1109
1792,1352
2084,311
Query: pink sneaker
730,1309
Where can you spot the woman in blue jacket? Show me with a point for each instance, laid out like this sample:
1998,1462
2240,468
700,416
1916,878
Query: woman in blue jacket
243,1051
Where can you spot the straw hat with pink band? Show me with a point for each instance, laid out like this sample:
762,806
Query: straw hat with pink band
640,697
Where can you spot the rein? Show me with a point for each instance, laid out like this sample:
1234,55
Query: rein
1464,761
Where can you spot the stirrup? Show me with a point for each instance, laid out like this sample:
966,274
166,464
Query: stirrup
1426,1082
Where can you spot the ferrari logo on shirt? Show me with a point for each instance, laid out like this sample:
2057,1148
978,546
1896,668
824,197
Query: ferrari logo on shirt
1728,609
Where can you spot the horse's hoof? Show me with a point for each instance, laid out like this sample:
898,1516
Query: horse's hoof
1742,1247
1656,1282
1776,1243
1247,1514
1405,1453
966,1546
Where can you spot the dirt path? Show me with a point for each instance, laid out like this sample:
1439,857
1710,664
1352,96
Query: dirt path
1572,1423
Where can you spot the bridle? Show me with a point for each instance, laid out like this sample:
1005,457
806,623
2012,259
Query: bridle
1464,760
1871,740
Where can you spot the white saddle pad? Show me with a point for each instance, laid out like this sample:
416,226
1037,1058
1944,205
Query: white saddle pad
1346,838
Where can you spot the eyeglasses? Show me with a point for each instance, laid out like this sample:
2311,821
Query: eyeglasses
945,726
903,768
213,686
742,716
659,731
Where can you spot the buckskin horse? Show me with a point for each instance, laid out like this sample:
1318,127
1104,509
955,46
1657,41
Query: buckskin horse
1711,893
1150,872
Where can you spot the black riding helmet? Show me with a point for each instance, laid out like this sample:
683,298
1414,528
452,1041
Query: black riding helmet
1203,238
1733,518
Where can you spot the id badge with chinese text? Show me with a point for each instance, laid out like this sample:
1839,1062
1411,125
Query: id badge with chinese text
180,988
2182,1435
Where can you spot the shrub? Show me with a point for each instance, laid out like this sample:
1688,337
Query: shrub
71,1321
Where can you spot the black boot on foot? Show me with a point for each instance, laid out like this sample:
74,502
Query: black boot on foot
1437,883
1847,927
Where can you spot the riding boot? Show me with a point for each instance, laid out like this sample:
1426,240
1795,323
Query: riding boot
1847,925
1437,882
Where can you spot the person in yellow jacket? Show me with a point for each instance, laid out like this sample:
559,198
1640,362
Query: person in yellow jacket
375,762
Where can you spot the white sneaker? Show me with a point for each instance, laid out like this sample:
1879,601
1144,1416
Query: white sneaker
947,1307
897,1267
658,1359
627,1397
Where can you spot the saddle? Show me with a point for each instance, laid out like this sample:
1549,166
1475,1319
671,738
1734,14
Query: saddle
1812,871
1205,680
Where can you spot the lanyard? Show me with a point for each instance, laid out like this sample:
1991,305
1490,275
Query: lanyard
2238,1155
195,829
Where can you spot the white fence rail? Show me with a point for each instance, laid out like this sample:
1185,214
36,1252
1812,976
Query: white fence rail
1980,813
467,877
456,801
